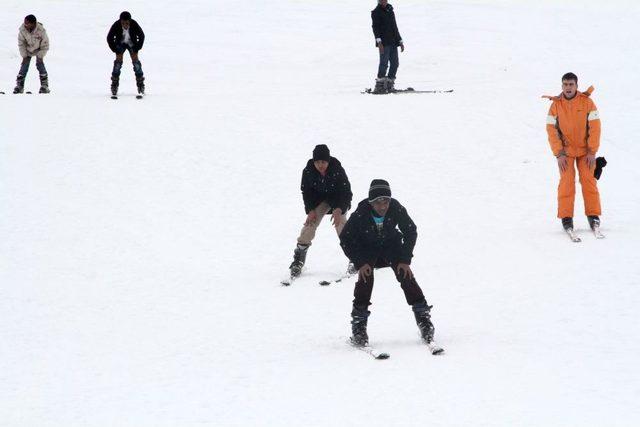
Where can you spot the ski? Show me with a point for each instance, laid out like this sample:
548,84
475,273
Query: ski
598,233
572,235
1,93
139,96
114,96
376,354
434,348
288,281
338,280
407,90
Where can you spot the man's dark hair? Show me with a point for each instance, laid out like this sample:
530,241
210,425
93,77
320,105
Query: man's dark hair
570,76
30,19
125,16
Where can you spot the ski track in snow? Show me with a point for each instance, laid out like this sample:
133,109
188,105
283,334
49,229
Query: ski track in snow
142,242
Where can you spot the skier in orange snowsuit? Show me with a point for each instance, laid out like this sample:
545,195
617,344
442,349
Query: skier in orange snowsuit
573,126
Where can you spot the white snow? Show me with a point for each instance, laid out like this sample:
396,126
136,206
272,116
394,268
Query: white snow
142,242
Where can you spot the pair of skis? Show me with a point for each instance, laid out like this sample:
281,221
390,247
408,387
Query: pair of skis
138,96
574,236
434,349
288,281
407,90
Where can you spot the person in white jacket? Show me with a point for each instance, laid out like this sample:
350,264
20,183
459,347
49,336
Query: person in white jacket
32,41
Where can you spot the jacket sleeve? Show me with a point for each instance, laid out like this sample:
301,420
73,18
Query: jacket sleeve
410,235
395,24
22,45
307,197
593,128
111,38
140,42
350,243
377,26
44,44
343,201
553,132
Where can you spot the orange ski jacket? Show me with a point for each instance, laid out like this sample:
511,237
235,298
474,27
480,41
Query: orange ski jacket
573,125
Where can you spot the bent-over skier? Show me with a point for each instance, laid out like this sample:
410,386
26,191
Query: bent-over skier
325,190
126,34
378,234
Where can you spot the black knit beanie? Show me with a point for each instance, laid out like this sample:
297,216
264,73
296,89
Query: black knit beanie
321,152
379,188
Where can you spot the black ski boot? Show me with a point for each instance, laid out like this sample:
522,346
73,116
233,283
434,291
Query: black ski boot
381,86
422,311
19,84
567,223
115,82
299,257
140,84
594,221
44,83
359,317
390,85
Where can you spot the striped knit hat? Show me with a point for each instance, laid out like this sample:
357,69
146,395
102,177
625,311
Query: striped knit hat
379,188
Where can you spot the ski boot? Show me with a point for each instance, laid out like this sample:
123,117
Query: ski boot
115,82
19,84
390,85
44,83
140,84
567,223
594,221
359,317
299,257
351,269
381,86
422,312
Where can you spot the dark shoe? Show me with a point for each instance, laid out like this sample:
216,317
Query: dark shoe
115,82
422,312
359,317
299,258
19,84
44,83
390,85
567,223
594,221
140,84
381,85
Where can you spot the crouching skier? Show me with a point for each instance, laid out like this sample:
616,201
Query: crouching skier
126,35
32,41
325,191
381,234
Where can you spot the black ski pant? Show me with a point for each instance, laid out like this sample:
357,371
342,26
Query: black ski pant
389,57
363,290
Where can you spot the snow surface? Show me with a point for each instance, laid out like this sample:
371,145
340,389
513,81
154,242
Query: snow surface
142,242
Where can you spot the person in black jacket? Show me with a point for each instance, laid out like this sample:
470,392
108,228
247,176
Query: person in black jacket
126,34
325,190
388,39
381,234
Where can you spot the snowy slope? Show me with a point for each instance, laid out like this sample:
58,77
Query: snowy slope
142,242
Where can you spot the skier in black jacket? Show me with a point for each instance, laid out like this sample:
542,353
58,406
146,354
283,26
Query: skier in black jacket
388,39
126,34
381,234
325,190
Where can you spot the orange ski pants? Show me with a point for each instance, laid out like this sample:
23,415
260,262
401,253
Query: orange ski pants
567,188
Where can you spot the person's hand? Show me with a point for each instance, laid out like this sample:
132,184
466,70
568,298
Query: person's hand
402,47
381,48
405,270
591,161
336,217
364,272
311,218
562,163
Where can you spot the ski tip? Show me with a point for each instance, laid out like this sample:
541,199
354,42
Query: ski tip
139,96
437,351
114,97
324,283
286,282
383,356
